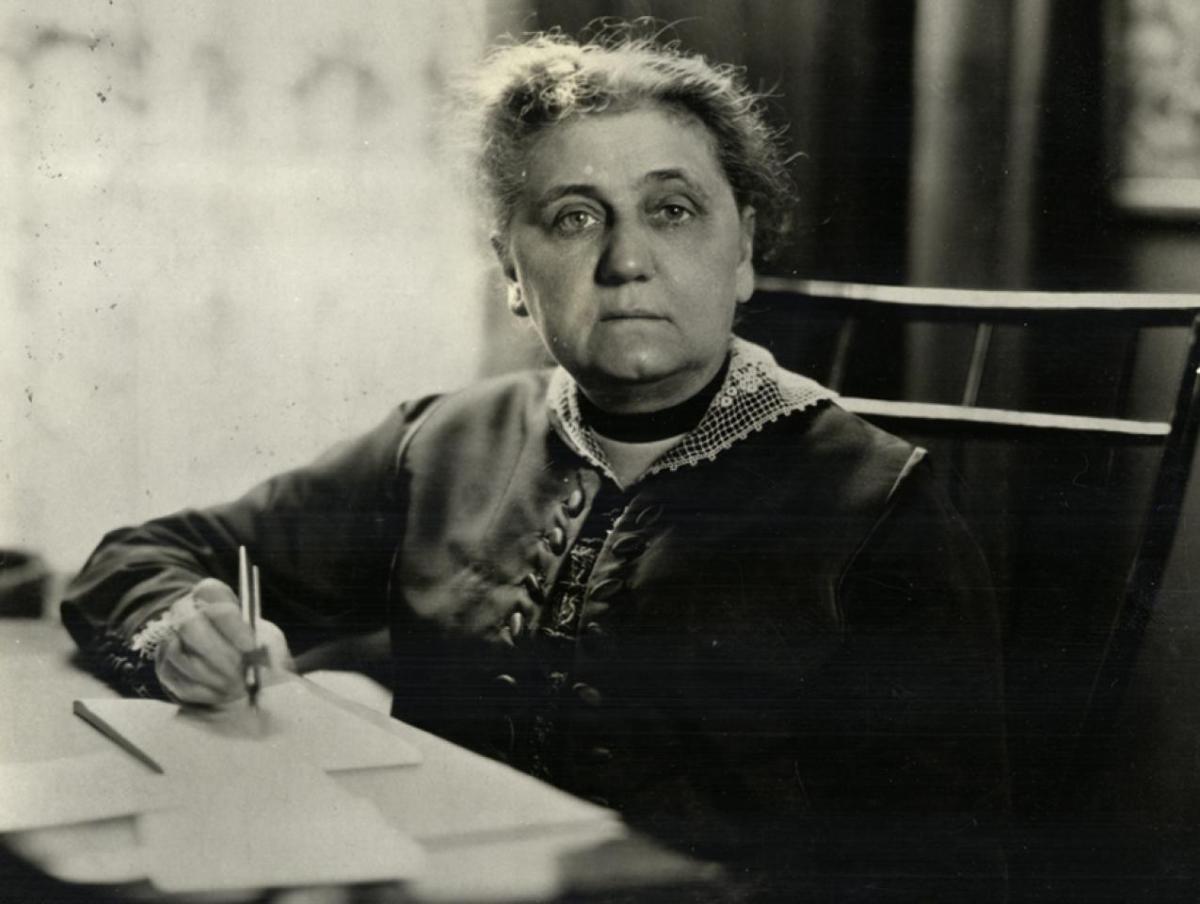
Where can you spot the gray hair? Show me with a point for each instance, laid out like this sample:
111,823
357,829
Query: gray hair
524,87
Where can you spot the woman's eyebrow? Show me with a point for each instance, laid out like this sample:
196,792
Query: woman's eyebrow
561,191
675,175
654,177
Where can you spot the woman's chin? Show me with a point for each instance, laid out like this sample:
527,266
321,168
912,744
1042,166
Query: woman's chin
632,371
642,385
634,358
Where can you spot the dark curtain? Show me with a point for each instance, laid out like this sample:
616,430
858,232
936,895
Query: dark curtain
839,72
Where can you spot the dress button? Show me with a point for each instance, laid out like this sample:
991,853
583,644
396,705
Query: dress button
606,589
506,680
516,621
629,546
594,640
600,755
648,515
587,694
557,540
574,502
533,586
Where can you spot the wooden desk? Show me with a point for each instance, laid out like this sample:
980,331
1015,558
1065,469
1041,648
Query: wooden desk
490,833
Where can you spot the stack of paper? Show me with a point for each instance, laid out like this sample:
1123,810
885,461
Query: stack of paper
272,823
243,800
77,789
290,719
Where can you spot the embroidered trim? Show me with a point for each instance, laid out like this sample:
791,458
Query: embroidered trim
151,635
127,667
756,392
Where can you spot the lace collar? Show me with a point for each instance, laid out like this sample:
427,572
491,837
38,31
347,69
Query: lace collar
756,392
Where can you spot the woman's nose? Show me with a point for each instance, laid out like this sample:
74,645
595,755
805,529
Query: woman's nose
628,255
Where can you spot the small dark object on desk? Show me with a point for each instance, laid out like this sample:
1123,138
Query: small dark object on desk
24,579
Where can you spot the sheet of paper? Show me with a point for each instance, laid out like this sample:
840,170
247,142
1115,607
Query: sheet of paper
77,789
273,824
291,719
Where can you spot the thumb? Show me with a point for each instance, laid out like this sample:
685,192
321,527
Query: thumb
210,590
271,637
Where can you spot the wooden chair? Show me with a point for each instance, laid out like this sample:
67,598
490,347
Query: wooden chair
1050,493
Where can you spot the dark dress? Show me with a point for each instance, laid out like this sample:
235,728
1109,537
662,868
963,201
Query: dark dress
778,648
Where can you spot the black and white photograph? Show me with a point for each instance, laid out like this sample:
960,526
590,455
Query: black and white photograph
496,451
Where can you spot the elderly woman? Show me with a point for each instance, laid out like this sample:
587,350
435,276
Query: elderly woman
667,574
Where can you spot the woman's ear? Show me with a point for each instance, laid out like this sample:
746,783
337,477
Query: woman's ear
745,268
516,301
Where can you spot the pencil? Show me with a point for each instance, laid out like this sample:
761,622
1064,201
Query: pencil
248,599
244,582
255,614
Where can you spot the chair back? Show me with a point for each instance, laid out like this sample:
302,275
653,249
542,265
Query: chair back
1065,426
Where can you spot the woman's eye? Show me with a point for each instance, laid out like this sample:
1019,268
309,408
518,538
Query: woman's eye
674,213
570,222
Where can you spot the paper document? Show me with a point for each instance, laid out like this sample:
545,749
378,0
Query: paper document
77,789
271,824
291,719
250,805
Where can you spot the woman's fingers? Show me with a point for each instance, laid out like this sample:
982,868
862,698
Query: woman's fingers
202,661
190,679
228,621
198,663
209,636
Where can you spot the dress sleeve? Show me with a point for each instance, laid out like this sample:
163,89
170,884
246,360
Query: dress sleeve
323,537
919,783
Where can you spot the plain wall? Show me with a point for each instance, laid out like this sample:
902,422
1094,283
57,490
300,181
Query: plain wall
230,234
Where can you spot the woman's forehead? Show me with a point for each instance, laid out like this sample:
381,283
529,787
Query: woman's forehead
625,144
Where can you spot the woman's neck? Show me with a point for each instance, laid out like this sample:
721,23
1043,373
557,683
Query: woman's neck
653,425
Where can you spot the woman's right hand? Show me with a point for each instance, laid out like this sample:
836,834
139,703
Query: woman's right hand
200,661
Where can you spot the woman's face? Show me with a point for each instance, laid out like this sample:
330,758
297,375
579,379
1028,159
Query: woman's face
628,251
